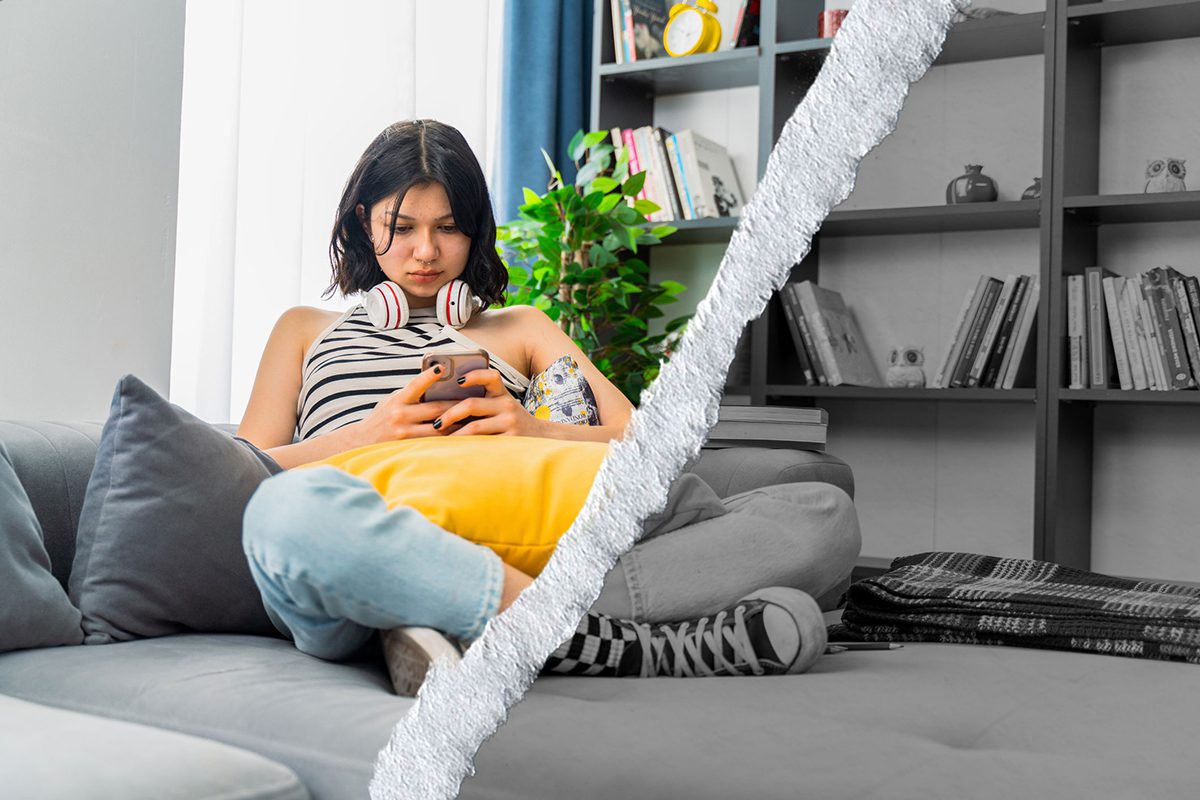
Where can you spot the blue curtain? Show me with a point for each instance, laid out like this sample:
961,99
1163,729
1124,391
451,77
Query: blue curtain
546,84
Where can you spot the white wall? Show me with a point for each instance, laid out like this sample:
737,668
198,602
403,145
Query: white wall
89,159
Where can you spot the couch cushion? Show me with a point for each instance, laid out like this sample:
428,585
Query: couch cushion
34,608
159,547
51,753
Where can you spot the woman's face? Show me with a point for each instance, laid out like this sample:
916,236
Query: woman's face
428,250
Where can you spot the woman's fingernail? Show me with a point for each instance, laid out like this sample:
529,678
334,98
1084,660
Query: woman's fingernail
437,369
461,381
437,423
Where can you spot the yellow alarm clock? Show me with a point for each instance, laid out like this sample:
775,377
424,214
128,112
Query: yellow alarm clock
692,28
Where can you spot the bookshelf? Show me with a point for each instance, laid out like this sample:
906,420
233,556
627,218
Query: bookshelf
1054,431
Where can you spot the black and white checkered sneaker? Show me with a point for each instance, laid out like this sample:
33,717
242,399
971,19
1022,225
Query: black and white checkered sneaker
410,651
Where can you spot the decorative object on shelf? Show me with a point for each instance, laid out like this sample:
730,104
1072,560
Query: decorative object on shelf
1034,191
982,12
647,20
692,27
1166,175
905,368
829,22
972,187
572,253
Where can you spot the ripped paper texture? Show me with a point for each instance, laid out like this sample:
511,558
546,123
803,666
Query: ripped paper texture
883,47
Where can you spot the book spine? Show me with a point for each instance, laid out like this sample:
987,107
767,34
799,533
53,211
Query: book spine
991,375
691,174
685,199
1188,323
635,161
820,332
1021,352
1124,371
1150,326
1192,286
1075,330
646,158
954,347
1097,346
1137,365
806,334
793,325
668,175
627,30
987,343
618,20
975,334
1172,330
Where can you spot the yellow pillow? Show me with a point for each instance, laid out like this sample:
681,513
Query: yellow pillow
514,494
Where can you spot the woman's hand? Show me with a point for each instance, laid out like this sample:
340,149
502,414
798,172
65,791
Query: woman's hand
498,412
402,415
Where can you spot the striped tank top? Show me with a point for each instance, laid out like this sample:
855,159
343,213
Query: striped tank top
353,365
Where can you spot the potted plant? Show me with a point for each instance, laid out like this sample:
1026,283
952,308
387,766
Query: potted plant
572,252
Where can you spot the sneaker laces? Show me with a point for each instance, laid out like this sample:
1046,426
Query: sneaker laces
680,650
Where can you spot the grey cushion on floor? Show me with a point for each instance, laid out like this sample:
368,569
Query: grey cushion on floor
34,608
107,760
159,546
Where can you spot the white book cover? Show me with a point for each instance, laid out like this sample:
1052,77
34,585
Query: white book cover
1076,312
728,12
648,159
1133,298
710,177
837,337
1025,326
675,152
1124,372
1133,347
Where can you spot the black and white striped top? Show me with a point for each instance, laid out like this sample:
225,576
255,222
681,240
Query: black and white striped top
353,365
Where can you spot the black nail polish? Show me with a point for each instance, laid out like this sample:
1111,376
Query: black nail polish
461,381
437,423
437,369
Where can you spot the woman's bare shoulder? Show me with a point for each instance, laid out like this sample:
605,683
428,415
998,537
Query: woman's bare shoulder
307,323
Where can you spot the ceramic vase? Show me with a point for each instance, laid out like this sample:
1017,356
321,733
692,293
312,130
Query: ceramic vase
972,187
1034,191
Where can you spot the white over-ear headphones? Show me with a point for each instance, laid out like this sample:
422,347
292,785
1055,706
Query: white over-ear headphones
387,306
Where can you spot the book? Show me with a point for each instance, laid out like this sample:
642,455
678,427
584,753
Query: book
748,24
838,339
660,135
770,426
954,347
806,334
729,14
789,315
1120,350
1129,329
975,373
793,414
1170,354
618,28
627,31
1187,321
992,373
709,176
1192,286
983,312
1171,329
635,161
1149,331
1023,359
647,20
1099,337
681,187
1076,332
648,159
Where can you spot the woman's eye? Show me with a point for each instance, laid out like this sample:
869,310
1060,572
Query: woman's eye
401,229
450,228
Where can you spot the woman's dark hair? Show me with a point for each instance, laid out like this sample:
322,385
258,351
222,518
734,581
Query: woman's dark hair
416,153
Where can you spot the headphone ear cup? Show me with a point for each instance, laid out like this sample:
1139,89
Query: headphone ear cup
455,303
386,306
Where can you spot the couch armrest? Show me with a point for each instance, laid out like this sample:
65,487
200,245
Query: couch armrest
731,470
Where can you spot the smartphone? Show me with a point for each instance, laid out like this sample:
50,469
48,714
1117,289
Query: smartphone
455,365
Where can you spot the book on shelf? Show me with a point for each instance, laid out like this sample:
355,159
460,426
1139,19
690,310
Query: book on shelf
708,176
1112,309
989,344
956,341
769,426
806,335
1190,288
839,342
659,138
730,14
974,335
1004,336
988,340
1019,363
1076,332
748,24
1170,329
793,326
1131,331
1099,336
647,20
675,158
1149,330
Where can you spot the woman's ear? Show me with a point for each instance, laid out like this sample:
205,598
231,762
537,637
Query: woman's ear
362,218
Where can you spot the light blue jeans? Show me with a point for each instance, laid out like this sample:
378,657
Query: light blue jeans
334,565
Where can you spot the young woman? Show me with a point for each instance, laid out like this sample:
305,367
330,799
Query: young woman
335,565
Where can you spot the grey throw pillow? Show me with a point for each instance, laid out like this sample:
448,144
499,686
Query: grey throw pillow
34,609
159,547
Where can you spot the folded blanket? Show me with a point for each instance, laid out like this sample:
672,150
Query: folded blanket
975,599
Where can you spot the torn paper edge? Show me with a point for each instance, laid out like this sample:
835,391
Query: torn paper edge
882,48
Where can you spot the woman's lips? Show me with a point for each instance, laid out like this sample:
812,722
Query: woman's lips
424,277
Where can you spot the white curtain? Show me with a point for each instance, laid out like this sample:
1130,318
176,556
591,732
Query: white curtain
280,98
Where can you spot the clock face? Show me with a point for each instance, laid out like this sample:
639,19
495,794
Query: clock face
684,31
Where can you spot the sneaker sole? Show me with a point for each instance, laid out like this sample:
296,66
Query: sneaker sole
809,621
409,652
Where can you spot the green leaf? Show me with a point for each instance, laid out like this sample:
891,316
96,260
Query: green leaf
518,275
625,237
646,206
678,323
576,148
627,216
587,173
594,138
549,163
604,184
594,198
634,185
674,287
630,288
531,196
609,202
663,231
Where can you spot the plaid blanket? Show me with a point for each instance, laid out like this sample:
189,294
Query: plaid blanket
975,599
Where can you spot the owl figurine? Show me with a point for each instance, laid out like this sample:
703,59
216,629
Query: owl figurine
1166,175
904,368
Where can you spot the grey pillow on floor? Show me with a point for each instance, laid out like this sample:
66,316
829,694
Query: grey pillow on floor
34,609
159,546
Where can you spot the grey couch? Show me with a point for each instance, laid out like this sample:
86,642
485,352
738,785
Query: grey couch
227,716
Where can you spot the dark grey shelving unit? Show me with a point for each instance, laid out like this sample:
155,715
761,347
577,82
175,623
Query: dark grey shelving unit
1070,36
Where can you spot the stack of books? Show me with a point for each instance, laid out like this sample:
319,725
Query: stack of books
638,25
993,342
1133,333
828,342
769,426
687,175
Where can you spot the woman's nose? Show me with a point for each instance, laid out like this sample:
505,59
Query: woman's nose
425,248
